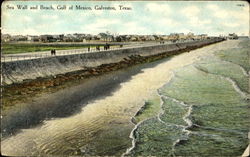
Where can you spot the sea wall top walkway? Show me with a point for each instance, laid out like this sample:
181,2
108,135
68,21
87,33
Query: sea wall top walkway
45,54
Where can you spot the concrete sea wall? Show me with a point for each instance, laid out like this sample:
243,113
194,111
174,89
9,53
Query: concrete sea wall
18,71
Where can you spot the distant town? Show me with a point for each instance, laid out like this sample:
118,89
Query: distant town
108,37
79,37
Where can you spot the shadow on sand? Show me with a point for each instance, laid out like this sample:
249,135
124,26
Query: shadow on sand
68,101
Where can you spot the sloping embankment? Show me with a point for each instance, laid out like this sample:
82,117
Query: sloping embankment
19,71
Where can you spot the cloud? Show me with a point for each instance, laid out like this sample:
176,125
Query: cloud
242,15
161,9
6,18
222,13
197,22
134,28
27,31
26,19
232,25
213,7
104,22
169,22
217,11
100,25
144,18
192,14
30,31
191,11
51,17
184,30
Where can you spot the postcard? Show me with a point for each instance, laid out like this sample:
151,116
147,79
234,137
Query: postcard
125,78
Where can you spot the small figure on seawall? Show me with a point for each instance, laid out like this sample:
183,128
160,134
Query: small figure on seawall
53,52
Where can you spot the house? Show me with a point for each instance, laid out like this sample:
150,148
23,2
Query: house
19,38
134,38
5,37
118,39
232,36
164,37
182,36
201,36
150,38
190,35
142,38
33,38
47,38
58,37
156,37
173,37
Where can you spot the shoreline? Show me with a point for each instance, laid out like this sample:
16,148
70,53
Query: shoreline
193,124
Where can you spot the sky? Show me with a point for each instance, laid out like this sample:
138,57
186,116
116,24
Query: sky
151,17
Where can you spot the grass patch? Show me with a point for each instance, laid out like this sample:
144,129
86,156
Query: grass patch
14,48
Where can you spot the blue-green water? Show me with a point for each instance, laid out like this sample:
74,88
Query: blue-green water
204,109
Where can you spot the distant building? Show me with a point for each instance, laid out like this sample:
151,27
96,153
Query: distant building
173,37
232,36
164,37
19,38
119,39
156,37
134,38
201,36
126,37
58,37
98,37
5,37
150,38
33,38
190,35
182,36
47,38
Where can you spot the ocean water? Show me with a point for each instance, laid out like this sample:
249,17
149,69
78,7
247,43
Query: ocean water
204,111
187,105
